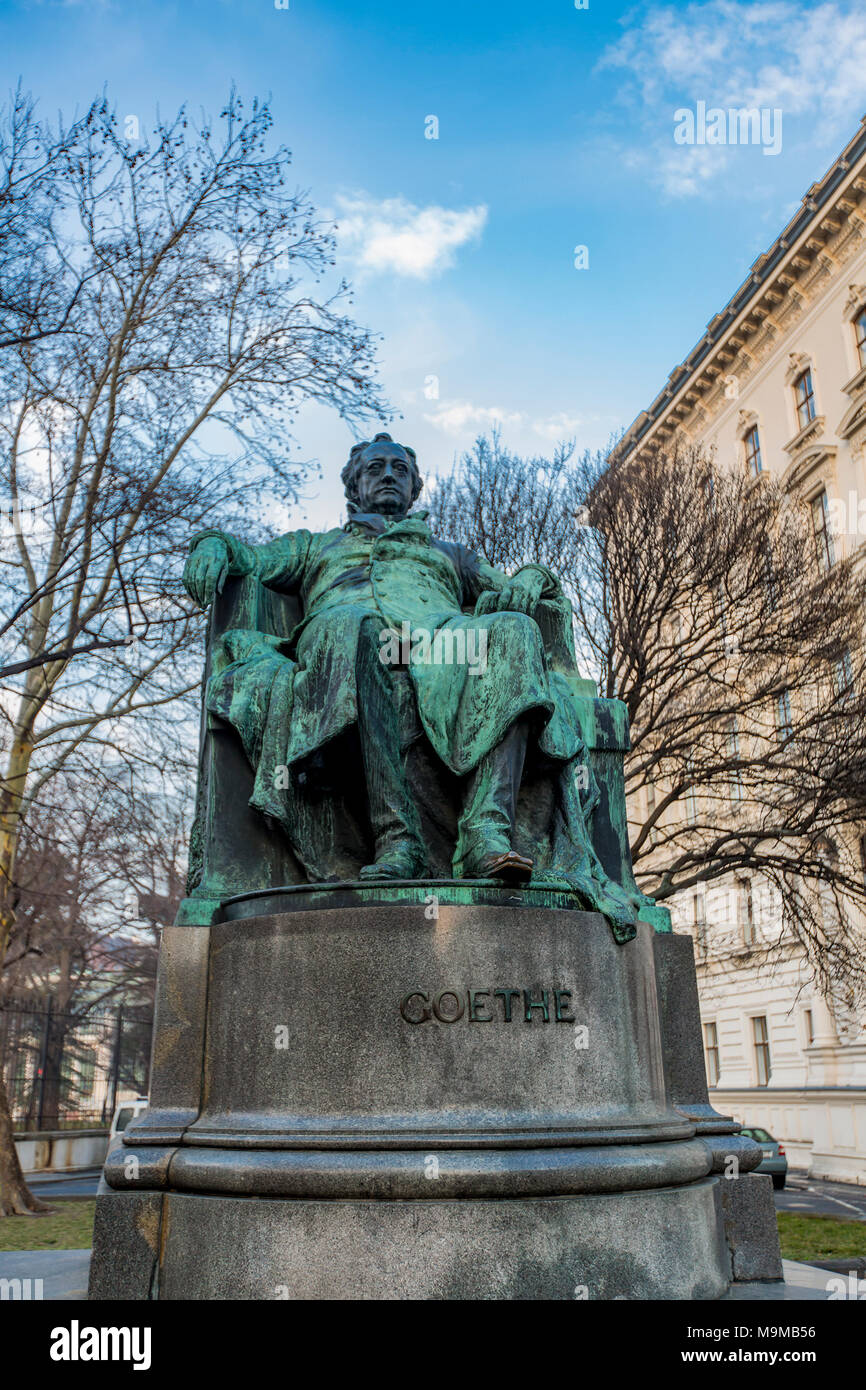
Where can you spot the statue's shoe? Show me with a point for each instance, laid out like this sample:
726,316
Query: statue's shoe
511,867
401,861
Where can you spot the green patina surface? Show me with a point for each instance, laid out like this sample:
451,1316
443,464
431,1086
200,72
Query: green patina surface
430,893
418,767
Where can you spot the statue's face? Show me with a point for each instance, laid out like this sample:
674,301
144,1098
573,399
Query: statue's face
384,479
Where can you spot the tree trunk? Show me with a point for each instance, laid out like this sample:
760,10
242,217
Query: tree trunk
16,1199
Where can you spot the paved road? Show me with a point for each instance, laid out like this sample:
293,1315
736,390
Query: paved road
82,1183
818,1197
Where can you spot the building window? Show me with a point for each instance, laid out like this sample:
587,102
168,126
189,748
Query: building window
810,1027
691,804
762,1049
650,811
729,642
752,448
699,908
821,529
18,1079
699,920
804,394
711,1053
770,585
784,725
735,781
843,675
87,1073
746,910
860,335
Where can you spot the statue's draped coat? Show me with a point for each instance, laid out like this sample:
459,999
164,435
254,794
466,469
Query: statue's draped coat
293,701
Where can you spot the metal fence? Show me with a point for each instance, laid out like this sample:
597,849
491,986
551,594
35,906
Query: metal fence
67,1070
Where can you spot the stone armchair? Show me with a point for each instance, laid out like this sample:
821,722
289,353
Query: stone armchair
234,852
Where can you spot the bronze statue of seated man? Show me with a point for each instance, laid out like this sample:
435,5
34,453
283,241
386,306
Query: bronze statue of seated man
405,637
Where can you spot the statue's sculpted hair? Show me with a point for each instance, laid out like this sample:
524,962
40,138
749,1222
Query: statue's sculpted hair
350,471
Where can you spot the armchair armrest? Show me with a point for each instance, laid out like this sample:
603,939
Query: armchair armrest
228,840
604,729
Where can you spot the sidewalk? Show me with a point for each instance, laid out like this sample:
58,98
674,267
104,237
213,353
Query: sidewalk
64,1277
63,1273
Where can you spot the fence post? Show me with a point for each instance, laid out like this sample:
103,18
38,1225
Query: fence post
42,1061
115,1066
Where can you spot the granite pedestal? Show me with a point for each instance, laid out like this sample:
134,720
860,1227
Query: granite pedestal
415,1100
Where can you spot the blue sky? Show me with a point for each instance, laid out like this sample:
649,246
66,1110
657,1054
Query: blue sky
556,129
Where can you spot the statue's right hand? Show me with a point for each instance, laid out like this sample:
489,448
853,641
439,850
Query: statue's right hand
206,570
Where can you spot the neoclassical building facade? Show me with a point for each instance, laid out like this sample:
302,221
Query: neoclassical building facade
777,384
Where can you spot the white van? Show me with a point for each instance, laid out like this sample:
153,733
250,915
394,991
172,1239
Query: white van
125,1112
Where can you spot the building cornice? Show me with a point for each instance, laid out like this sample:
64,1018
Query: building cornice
806,252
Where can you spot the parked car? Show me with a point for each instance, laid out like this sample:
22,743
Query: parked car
125,1113
774,1161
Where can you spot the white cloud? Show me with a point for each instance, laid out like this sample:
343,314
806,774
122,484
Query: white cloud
558,427
394,235
807,61
458,417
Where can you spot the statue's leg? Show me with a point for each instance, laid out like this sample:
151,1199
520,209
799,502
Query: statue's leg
394,821
486,824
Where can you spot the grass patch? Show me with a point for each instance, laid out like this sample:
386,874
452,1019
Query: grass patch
808,1238
69,1227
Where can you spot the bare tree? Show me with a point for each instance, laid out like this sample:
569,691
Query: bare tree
700,602
156,387
98,875
38,287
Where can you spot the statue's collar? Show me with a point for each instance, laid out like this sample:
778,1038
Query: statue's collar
414,522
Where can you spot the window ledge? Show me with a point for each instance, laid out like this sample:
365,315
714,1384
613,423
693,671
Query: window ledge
856,384
814,427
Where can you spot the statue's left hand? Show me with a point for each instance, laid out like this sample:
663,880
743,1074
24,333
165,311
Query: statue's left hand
206,570
520,595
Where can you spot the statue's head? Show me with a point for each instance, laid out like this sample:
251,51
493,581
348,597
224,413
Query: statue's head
381,476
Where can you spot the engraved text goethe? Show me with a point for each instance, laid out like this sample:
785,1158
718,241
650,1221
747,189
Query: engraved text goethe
487,1006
